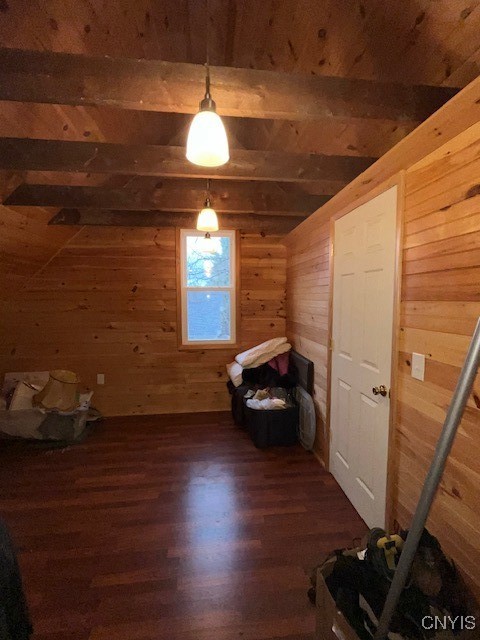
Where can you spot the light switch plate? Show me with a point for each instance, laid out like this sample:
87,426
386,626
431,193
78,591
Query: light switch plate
418,366
100,378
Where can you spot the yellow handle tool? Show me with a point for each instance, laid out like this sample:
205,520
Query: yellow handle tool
391,545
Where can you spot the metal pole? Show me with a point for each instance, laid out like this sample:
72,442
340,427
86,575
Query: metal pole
434,476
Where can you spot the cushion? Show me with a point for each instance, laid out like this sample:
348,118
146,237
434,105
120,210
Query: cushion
307,423
234,370
261,353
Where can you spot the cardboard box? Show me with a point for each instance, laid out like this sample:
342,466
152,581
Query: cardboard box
330,623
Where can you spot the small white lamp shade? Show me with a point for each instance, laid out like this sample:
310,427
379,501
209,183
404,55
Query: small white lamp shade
207,143
206,244
207,219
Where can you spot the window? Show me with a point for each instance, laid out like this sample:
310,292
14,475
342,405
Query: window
208,288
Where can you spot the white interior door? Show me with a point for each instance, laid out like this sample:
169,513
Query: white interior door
363,299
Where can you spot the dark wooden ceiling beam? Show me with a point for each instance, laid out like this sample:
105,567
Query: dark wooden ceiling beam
27,154
234,198
150,85
277,225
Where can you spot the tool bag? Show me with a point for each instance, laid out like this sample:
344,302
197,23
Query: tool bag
359,579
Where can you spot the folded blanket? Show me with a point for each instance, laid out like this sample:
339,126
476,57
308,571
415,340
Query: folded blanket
234,370
266,357
255,357
262,353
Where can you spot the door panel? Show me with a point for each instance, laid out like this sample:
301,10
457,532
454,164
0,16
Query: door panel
363,295
346,315
370,323
344,410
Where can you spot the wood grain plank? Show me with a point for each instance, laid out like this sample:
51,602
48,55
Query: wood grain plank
263,223
233,197
28,154
147,85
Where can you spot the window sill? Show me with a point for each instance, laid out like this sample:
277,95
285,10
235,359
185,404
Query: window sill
207,346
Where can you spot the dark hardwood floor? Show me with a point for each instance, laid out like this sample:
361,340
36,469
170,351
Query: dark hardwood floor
171,527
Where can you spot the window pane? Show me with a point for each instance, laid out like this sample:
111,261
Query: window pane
208,315
208,269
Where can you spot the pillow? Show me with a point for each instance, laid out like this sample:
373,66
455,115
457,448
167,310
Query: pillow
235,370
246,358
266,357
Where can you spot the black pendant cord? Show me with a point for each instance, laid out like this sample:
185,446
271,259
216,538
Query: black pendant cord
207,30
207,82
207,103
207,199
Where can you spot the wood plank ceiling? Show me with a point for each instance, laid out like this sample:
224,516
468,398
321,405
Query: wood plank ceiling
296,139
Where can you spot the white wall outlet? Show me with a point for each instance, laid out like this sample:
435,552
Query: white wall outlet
100,378
418,366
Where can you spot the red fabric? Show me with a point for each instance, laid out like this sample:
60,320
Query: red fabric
280,363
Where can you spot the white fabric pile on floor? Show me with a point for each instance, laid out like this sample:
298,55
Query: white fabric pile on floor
255,357
268,403
262,400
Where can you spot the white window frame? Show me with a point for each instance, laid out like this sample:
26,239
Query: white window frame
184,289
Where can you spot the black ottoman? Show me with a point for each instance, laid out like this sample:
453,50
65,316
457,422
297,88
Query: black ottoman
272,427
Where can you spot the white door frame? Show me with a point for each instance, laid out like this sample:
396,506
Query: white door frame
397,180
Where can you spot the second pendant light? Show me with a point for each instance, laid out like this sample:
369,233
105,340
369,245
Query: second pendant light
207,218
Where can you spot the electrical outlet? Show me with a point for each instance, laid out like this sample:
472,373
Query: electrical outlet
100,378
418,366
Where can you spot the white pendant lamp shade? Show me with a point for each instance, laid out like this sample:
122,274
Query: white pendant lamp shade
207,143
207,218
206,244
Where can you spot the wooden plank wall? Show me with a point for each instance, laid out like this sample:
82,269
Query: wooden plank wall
106,303
26,242
308,285
440,305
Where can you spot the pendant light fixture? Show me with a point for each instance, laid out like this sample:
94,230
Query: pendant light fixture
207,218
207,143
206,244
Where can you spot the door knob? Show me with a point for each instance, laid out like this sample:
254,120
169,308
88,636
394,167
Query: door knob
380,391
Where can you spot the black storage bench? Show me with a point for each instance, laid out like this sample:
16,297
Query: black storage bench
275,427
272,427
